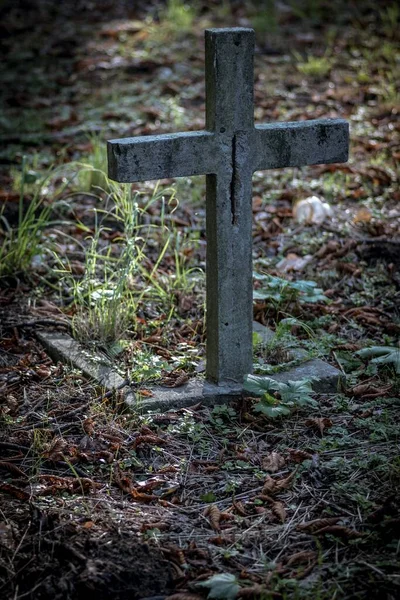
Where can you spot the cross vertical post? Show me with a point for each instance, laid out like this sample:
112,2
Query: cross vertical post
228,151
229,115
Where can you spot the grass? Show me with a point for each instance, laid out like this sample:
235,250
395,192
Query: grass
178,17
92,176
316,67
21,243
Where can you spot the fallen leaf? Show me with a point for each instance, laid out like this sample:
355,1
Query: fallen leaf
140,497
299,456
339,531
88,426
304,556
315,524
11,468
278,510
273,462
123,481
154,440
14,491
363,215
214,515
293,262
319,424
277,507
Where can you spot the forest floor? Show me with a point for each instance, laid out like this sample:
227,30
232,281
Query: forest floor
218,502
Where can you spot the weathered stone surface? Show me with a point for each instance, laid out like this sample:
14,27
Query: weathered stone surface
196,390
330,378
62,347
228,152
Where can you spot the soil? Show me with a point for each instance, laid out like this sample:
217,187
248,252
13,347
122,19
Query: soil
57,559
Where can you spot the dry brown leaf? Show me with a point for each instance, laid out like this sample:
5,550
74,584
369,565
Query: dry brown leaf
239,508
363,215
160,525
277,507
43,371
154,440
273,462
340,531
140,497
319,424
226,516
274,486
284,483
214,515
14,491
269,486
305,556
56,449
222,540
315,524
88,426
367,389
278,510
123,481
254,591
11,468
299,456
146,393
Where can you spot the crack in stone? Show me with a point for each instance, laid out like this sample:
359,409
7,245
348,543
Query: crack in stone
232,186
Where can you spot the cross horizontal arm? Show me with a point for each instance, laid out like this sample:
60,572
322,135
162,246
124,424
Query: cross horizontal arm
301,143
162,156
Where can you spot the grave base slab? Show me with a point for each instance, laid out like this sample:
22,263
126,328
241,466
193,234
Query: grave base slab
61,347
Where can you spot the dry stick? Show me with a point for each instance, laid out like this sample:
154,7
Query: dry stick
36,322
10,446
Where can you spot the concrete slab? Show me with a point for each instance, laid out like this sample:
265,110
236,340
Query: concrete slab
62,347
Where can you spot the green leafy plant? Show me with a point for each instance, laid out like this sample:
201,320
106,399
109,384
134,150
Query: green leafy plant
277,398
382,355
223,586
274,351
280,292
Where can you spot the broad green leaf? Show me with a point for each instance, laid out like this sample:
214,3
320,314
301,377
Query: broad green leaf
223,586
298,392
278,410
383,355
208,497
259,385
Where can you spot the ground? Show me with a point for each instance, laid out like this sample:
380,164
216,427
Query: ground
100,502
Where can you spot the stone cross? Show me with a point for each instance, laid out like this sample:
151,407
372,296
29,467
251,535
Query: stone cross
228,152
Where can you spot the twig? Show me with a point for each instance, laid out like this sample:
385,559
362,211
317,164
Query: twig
36,322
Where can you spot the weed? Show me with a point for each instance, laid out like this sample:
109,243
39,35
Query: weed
264,20
92,172
316,67
178,17
285,397
21,243
390,19
281,293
